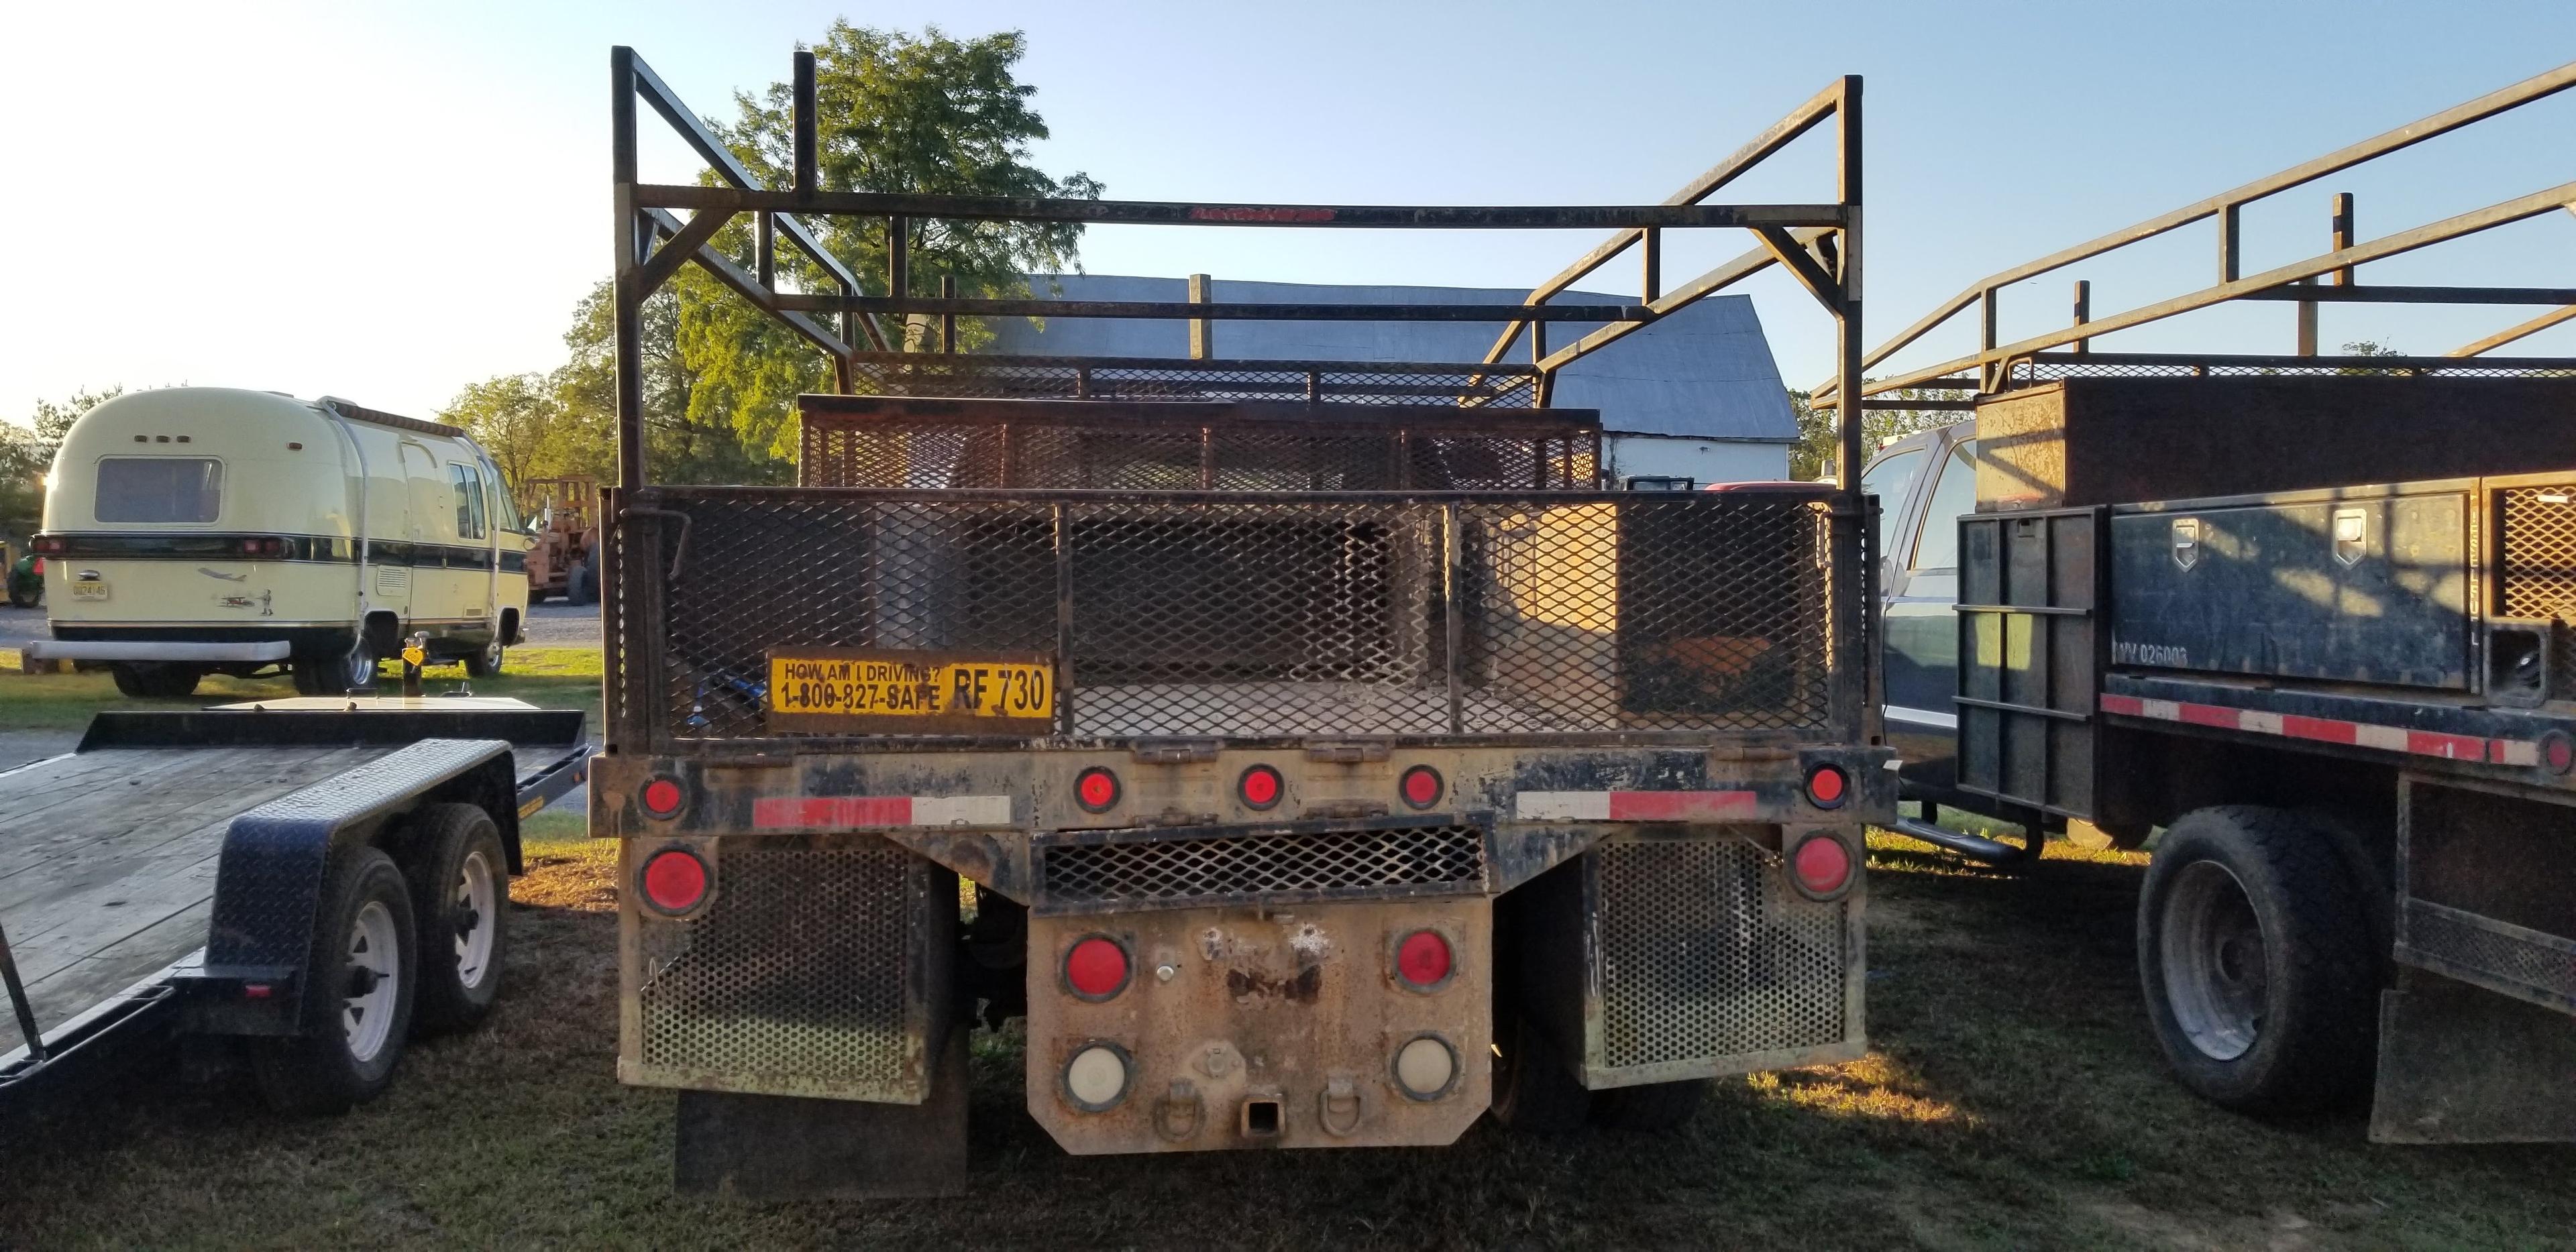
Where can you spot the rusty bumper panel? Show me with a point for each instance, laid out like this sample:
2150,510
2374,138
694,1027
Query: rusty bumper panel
1251,1028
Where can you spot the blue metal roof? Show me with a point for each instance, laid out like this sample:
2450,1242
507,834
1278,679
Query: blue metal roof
1705,372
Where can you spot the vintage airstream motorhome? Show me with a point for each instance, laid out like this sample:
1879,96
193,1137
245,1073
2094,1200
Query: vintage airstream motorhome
198,530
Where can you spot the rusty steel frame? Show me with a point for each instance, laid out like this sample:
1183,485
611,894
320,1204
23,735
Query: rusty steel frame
2297,282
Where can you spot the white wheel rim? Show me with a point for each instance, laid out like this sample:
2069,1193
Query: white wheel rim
372,981
477,906
492,656
362,667
2216,961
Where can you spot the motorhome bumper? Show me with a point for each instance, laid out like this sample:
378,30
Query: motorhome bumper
150,650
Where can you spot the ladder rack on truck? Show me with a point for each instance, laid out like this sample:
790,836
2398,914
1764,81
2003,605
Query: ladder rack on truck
314,877
2307,617
1333,758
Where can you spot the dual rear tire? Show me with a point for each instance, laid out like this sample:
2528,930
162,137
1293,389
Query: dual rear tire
1536,1092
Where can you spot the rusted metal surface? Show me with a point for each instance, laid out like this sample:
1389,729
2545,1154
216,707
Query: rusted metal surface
1298,1006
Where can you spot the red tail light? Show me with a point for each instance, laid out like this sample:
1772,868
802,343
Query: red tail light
675,880
263,547
1260,787
1096,790
50,545
1421,787
1821,866
1096,968
1828,787
663,798
1423,959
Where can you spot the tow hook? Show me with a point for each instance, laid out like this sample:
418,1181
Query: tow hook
1338,1108
1181,1112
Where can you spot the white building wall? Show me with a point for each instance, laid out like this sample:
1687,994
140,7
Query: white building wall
1703,461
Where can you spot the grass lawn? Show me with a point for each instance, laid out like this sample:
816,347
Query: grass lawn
558,678
2012,1099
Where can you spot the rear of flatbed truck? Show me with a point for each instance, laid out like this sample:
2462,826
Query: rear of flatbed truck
302,886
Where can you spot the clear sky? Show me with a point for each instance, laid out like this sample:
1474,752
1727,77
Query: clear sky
387,201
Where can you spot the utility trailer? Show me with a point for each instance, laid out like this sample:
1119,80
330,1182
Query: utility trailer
313,878
1332,757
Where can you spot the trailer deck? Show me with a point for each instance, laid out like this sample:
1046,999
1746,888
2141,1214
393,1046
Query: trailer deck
108,855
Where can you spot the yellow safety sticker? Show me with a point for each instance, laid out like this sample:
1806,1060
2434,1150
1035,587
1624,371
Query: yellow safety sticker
922,691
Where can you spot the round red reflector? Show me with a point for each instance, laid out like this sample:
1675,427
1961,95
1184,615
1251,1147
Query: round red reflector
662,797
1422,959
2559,751
1421,786
1823,865
675,880
1260,787
1096,790
1826,786
1096,969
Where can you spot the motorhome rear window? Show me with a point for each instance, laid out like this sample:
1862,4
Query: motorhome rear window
159,489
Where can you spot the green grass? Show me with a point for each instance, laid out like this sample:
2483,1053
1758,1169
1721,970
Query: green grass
562,678
2012,1098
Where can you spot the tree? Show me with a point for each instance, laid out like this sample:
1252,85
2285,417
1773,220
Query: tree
1819,429
27,453
896,113
515,417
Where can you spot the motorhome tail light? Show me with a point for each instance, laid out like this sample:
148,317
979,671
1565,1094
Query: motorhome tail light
1260,787
263,547
50,545
675,880
1821,866
1096,790
1421,787
1828,787
1096,968
1423,959
663,798
1096,1078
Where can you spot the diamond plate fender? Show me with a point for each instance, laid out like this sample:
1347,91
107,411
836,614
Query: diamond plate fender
274,857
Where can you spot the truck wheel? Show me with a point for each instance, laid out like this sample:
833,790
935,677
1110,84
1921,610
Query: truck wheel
581,586
460,892
2254,953
1534,1093
358,994
23,598
331,674
484,662
1654,1107
155,680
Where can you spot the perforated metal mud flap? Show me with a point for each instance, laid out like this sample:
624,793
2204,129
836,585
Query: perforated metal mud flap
2458,1064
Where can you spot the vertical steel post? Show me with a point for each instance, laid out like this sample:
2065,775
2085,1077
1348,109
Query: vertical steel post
2083,312
1453,621
627,284
1062,529
1989,313
2230,253
805,177
1202,330
1853,604
947,321
2341,224
899,270
2307,323
1651,251
765,251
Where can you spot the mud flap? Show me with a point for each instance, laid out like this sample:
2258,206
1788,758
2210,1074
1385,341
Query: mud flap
2458,1064
764,1147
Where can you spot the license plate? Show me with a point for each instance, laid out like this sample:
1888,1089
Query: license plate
89,591
910,692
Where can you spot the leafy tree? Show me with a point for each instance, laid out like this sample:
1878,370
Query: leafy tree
514,417
27,454
1818,429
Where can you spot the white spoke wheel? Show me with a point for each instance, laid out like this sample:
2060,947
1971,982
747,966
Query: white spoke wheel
485,662
461,892
354,1010
2214,961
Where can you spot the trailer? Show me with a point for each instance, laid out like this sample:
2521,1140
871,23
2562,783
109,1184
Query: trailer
1334,756
312,880
2301,624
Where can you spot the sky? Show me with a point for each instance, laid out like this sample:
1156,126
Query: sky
388,201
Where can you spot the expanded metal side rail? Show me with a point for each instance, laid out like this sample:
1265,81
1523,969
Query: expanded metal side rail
1589,616
997,376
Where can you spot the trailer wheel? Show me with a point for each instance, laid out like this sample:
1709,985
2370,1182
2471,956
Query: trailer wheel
460,890
485,661
2254,953
358,996
1534,1092
1653,1107
156,680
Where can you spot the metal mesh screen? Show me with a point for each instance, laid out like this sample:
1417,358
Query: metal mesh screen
1705,952
1255,616
2448,936
977,375
792,979
843,450
2536,566
2028,370
1326,865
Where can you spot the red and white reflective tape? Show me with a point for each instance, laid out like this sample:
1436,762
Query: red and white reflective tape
869,812
2331,730
1634,806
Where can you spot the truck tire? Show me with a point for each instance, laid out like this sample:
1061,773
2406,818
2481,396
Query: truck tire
460,894
331,674
1652,1108
486,661
156,680
2255,958
1534,1092
579,586
360,978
